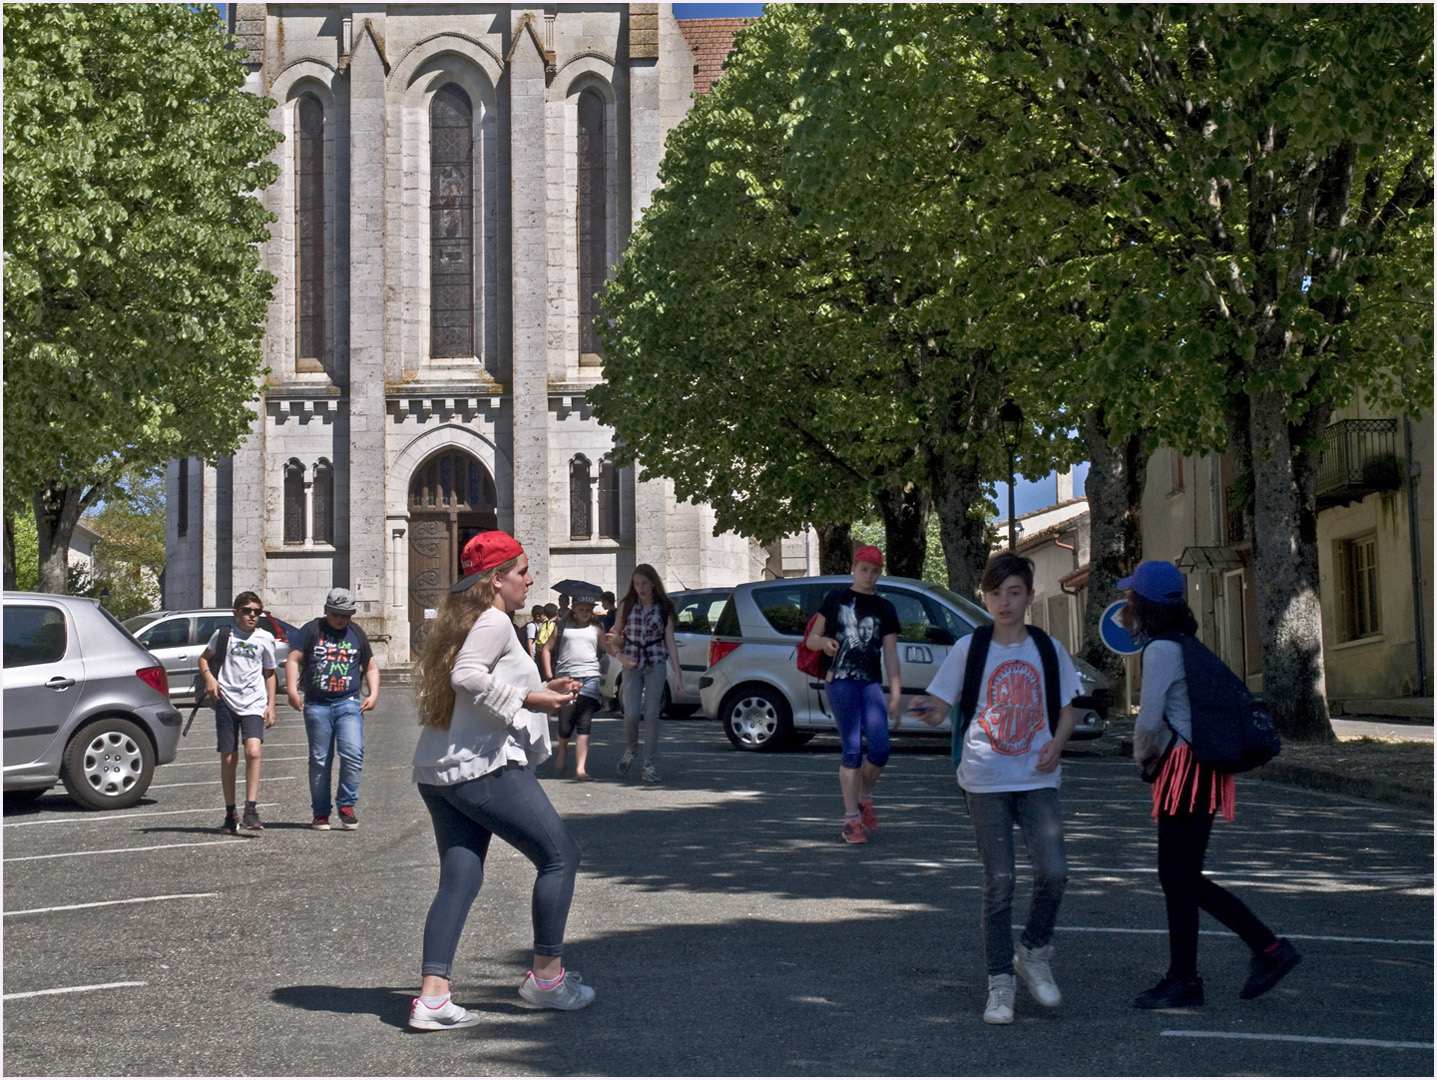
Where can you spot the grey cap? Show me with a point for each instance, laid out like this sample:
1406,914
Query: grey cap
339,602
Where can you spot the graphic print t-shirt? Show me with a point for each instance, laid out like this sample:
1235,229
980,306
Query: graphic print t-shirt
1010,722
860,622
333,661
240,672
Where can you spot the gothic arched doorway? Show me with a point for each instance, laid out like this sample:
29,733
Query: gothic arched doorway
451,498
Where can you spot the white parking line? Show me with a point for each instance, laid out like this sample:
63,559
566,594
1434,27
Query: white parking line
1389,1044
111,903
122,851
212,761
1230,874
211,752
93,819
71,990
209,783
1227,933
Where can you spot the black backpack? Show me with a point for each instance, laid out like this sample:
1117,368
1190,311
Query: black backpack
1233,732
197,688
973,675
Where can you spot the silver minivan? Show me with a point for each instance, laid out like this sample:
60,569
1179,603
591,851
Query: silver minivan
754,688
84,703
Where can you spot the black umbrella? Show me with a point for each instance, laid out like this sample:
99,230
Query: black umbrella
574,588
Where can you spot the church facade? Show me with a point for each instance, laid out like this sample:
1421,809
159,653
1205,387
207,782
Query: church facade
455,183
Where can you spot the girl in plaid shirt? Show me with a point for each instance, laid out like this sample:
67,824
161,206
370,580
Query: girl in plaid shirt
643,641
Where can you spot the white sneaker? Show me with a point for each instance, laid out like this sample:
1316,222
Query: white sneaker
569,994
1033,966
1002,989
448,1015
650,775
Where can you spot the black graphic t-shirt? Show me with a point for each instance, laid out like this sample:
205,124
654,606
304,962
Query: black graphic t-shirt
334,660
860,622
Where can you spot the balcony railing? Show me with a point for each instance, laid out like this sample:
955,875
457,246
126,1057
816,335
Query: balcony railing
1360,459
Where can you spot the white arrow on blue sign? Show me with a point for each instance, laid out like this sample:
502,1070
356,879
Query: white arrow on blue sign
1114,634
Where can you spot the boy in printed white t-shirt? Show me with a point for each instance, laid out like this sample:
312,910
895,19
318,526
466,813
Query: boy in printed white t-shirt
1009,774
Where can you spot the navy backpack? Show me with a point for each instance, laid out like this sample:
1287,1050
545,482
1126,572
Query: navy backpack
1233,732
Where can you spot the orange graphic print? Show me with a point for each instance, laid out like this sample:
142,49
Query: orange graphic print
1013,714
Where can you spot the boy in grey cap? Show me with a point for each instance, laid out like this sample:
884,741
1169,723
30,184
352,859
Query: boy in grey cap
327,658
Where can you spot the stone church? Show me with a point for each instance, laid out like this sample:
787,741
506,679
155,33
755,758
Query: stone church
456,181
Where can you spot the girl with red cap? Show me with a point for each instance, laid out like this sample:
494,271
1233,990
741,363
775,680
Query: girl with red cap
482,706
858,630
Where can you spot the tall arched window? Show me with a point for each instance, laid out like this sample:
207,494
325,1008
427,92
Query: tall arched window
608,498
293,502
309,231
323,497
593,222
451,223
581,488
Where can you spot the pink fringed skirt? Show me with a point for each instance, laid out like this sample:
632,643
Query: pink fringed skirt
1187,787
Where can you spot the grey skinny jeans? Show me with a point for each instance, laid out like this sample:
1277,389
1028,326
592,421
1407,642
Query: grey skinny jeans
1038,814
644,693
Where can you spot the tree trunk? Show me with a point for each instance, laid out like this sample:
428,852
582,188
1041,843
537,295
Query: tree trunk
57,511
9,552
905,522
1294,682
961,504
1116,476
835,547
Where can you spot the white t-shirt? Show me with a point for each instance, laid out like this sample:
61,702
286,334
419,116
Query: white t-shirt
240,671
1010,721
578,652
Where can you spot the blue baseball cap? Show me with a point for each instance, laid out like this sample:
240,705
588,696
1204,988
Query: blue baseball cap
1158,581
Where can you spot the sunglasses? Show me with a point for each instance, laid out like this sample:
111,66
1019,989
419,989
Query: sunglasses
256,612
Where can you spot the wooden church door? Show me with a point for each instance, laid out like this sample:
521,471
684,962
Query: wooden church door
451,499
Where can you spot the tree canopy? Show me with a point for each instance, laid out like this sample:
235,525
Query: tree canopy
134,298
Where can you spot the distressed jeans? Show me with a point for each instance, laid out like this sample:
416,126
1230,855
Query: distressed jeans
334,726
1038,815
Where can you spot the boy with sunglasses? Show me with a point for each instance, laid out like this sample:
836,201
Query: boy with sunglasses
243,686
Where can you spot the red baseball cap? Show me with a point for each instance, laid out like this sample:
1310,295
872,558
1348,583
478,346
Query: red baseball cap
868,553
484,552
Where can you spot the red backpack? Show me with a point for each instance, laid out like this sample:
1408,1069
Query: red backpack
810,661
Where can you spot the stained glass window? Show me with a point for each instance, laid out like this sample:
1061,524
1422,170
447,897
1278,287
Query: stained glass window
608,499
581,487
309,228
323,496
593,219
293,502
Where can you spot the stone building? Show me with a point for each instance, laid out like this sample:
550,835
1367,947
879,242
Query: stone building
455,182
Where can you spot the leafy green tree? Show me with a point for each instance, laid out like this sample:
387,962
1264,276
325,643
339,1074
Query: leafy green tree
130,558
134,301
1273,164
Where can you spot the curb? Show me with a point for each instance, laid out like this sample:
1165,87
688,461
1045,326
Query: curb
1312,778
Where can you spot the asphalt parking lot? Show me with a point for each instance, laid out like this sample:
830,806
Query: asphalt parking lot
725,927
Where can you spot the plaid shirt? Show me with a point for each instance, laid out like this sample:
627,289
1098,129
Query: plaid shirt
644,636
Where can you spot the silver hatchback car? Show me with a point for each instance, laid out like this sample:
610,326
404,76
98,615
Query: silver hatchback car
176,638
84,704
754,688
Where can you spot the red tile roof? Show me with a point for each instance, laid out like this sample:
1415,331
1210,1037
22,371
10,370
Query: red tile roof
711,40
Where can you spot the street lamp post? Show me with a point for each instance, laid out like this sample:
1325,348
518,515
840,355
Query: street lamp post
1010,423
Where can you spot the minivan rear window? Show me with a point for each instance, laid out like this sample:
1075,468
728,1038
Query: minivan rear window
33,635
781,605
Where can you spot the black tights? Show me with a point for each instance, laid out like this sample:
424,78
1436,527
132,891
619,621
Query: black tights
1182,845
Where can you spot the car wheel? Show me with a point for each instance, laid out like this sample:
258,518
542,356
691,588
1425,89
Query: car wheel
756,718
108,764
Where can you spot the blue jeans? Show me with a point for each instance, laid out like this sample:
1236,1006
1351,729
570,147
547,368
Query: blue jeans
1040,817
859,709
330,725
510,804
643,690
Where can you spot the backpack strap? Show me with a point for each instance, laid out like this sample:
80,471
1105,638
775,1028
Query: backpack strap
1049,656
978,643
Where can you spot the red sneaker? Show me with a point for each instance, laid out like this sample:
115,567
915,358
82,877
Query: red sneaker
868,817
853,832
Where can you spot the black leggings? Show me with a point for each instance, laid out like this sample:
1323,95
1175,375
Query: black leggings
577,716
1182,845
510,804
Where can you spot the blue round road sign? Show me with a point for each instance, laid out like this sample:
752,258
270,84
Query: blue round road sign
1114,634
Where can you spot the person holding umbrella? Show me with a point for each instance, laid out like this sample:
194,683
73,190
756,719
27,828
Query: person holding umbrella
572,652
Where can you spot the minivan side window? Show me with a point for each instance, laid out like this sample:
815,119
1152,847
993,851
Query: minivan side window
33,635
206,625
699,614
781,605
913,619
166,634
954,623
